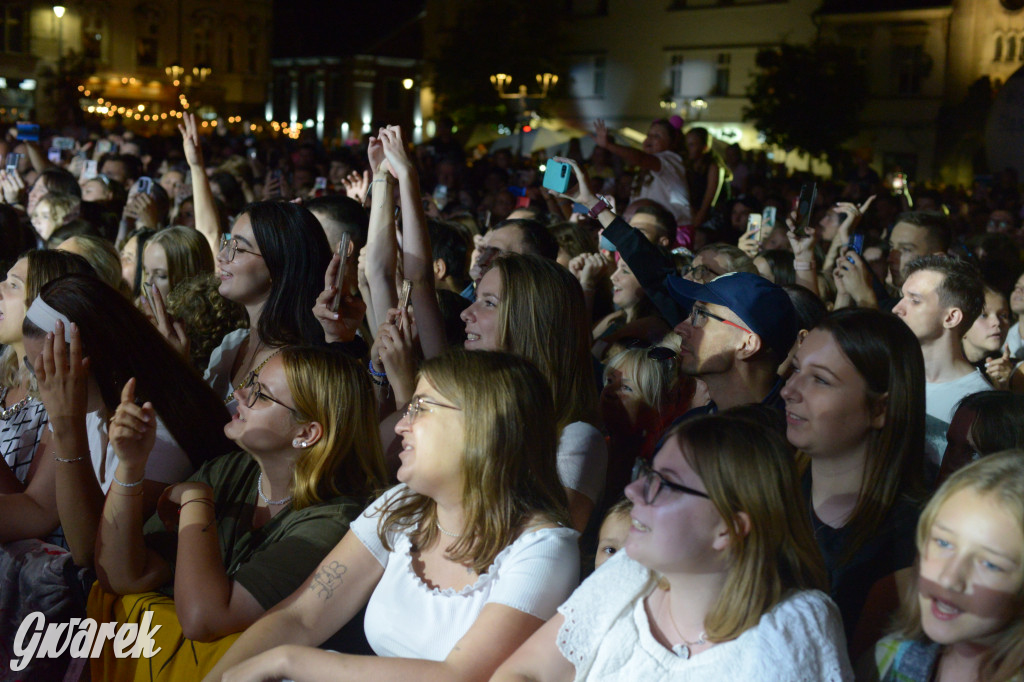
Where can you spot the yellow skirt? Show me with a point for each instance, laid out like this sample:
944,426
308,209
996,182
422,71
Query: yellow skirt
179,658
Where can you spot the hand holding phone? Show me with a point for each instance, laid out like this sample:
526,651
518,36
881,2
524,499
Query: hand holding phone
403,301
144,185
13,159
557,176
754,227
804,208
339,282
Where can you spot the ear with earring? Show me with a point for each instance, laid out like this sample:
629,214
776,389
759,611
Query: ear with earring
299,444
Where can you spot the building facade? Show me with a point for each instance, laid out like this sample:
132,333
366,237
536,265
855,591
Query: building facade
131,52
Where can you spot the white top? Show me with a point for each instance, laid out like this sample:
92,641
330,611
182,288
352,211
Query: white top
583,460
607,636
167,462
406,618
940,404
1014,341
668,187
222,359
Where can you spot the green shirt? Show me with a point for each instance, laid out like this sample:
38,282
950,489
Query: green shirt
272,561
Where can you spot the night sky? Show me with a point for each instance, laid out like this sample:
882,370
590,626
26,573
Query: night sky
313,28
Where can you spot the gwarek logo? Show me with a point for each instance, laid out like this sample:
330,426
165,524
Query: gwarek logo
82,638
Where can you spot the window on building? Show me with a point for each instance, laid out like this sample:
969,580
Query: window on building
998,54
93,30
910,67
14,29
722,75
1011,48
676,75
588,76
147,46
201,45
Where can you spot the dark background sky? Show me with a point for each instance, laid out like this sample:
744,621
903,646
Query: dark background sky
307,28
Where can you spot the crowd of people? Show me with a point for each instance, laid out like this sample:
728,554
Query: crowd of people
391,411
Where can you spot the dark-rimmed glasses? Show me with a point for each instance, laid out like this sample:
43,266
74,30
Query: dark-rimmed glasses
255,392
420,404
701,273
660,353
654,482
229,243
699,316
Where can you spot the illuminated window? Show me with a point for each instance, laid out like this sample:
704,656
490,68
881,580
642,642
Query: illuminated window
722,75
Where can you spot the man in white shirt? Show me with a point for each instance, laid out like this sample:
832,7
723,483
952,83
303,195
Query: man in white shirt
942,296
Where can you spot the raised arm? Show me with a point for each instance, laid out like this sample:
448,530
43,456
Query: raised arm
328,599
381,245
63,377
207,219
123,563
633,157
417,257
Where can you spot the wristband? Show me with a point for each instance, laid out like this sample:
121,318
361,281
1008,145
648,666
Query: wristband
600,207
68,461
375,373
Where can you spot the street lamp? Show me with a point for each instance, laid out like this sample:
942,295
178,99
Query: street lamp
544,81
59,10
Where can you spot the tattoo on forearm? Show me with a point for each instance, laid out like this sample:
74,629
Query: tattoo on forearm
327,579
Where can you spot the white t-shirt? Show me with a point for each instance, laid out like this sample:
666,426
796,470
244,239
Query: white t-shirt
940,404
222,359
167,462
668,187
583,460
607,637
406,618
1015,343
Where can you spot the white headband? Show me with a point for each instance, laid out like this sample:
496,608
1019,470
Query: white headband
42,315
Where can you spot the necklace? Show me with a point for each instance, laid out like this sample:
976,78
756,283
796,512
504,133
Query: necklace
682,650
270,503
13,410
447,532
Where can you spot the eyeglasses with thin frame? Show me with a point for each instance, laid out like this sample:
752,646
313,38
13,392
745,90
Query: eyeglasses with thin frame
420,404
256,392
701,273
229,242
699,315
654,482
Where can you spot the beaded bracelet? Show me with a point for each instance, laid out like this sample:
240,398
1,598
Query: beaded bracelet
375,373
68,461
128,485
379,382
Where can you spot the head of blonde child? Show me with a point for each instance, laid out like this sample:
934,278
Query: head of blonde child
614,530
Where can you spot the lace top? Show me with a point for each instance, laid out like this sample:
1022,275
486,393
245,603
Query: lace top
607,636
406,618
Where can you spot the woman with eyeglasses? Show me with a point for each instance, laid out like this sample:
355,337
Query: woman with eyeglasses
458,564
272,262
718,579
855,407
246,530
534,308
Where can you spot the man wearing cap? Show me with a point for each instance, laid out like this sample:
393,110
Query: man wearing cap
740,329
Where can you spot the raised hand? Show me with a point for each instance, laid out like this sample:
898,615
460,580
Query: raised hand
396,347
63,377
1000,369
582,193
132,431
12,186
172,330
395,151
341,325
601,133
190,137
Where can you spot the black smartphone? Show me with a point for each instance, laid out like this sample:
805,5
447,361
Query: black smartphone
805,207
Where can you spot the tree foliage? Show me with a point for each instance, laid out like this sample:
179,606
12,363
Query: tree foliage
515,37
807,97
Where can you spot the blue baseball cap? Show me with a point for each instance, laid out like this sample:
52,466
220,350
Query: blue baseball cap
764,307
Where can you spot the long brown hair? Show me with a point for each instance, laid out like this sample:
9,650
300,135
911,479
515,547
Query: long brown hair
543,317
747,467
509,473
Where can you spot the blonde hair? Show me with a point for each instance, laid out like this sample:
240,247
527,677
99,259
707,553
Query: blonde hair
103,258
188,253
656,380
999,477
333,390
746,467
509,473
542,317
62,207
